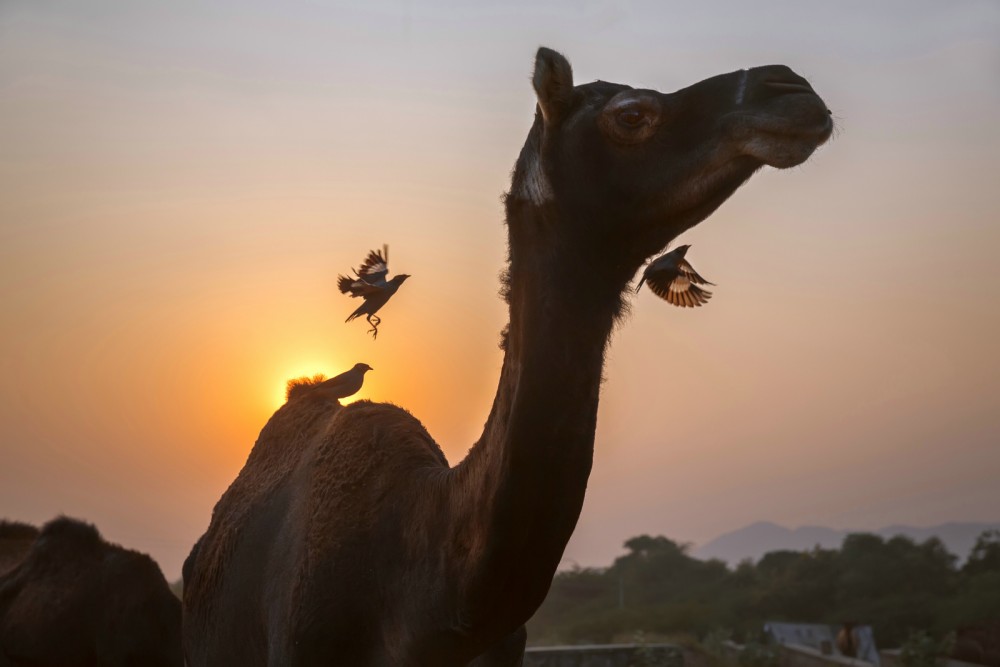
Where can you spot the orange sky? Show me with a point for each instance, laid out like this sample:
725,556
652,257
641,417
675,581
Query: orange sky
179,187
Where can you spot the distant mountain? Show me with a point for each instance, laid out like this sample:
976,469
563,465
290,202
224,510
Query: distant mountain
757,539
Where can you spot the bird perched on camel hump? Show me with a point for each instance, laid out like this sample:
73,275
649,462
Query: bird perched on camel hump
346,384
371,285
671,277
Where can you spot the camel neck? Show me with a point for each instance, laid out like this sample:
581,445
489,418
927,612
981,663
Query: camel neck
524,480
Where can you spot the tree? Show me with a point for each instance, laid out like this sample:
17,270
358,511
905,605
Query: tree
985,555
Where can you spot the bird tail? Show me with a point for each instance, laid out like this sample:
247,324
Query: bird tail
344,284
358,312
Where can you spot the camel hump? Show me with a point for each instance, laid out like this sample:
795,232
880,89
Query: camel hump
390,412
64,532
16,530
135,568
389,427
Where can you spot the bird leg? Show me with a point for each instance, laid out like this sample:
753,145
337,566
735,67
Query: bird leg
374,320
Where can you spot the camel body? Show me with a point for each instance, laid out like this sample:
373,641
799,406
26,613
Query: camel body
346,539
336,581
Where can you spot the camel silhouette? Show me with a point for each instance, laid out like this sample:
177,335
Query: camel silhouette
346,539
75,599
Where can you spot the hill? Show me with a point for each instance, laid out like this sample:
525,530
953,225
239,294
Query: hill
757,539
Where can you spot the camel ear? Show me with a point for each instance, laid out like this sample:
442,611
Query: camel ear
553,82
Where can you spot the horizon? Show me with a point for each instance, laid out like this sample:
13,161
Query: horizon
747,542
693,548
181,186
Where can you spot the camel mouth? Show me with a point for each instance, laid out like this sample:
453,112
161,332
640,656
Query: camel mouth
784,151
786,133
783,116
815,131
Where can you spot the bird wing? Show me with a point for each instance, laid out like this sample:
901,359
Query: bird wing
679,291
688,272
343,385
336,379
357,287
375,267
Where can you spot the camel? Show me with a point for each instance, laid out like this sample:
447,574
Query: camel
15,540
77,600
346,539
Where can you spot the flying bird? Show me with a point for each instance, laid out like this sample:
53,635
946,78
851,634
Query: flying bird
672,277
346,384
372,286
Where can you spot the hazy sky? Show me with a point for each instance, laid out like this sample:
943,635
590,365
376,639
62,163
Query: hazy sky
181,183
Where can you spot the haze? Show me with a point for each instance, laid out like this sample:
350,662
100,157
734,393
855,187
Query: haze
180,185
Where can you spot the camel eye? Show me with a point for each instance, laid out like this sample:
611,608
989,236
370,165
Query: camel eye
630,118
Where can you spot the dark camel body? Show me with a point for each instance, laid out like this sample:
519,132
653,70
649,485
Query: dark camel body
77,600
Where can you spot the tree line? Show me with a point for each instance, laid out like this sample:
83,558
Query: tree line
657,588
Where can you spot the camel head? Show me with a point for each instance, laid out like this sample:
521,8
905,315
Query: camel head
627,170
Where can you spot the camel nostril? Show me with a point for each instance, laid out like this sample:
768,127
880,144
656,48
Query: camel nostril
787,87
773,81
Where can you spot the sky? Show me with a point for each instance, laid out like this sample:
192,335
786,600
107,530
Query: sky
181,183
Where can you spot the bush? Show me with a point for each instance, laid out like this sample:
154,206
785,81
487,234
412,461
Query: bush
922,650
755,654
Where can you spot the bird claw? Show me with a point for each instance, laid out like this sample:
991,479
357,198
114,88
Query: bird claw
374,332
